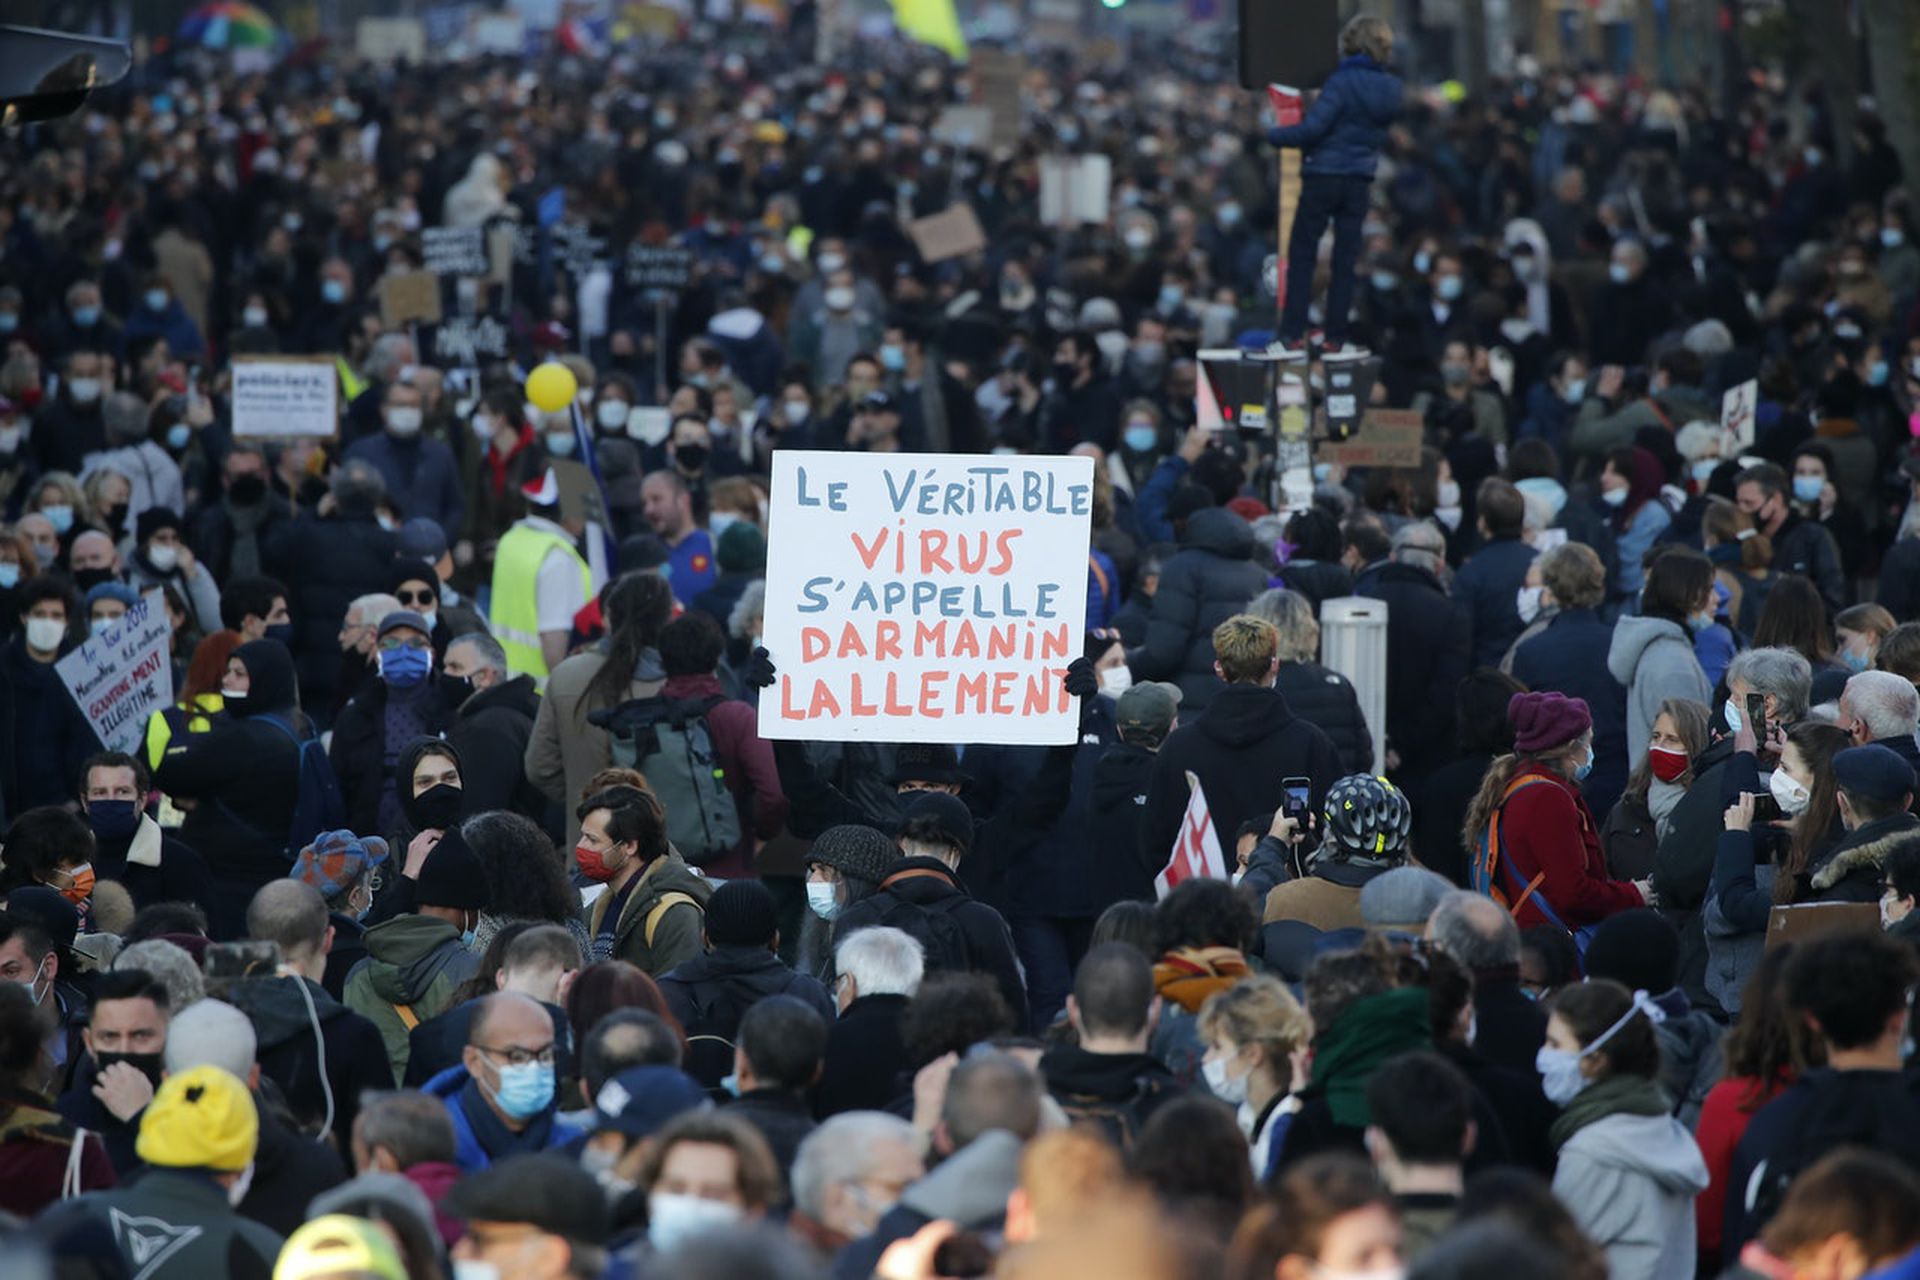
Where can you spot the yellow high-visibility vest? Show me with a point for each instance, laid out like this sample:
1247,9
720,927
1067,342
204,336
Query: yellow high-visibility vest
515,612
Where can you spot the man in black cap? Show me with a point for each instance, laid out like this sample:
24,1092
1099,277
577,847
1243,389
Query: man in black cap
532,1217
922,896
876,424
1876,791
740,966
416,962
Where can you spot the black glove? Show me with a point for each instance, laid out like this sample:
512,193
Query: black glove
1080,680
759,673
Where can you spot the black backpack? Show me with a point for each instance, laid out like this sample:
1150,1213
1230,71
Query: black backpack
716,1009
934,926
1831,1120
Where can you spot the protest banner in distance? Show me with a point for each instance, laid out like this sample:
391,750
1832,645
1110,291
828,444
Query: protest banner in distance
923,597
455,251
285,396
123,675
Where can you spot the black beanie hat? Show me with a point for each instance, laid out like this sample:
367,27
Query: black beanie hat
1638,949
452,875
741,913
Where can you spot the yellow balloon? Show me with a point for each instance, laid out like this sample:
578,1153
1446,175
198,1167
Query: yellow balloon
552,386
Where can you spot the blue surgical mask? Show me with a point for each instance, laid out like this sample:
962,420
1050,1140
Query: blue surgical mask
1450,288
1807,488
822,899
60,516
9,321
1731,711
1584,768
1322,472
86,317
179,435
730,1084
156,299
1700,621
9,574
1878,372
1576,391
1619,272
467,939
1140,438
1171,296
525,1090
405,667
1385,281
334,291
1856,662
1423,262
893,357
1702,472
1892,237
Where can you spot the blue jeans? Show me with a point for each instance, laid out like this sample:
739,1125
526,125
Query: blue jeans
1342,201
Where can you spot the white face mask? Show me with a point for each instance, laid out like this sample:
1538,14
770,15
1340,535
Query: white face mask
403,420
45,634
839,298
482,427
797,411
1787,790
612,414
672,1218
1230,1089
163,558
1449,494
474,1269
1527,601
1115,681
823,898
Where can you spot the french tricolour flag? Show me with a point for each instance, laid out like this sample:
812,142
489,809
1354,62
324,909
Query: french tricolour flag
1196,851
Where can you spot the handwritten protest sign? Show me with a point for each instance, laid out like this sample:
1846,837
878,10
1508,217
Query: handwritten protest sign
667,267
123,675
455,251
1388,438
925,597
409,296
467,340
1736,417
284,396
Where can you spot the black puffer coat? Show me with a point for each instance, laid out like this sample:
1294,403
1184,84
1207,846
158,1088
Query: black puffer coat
1325,699
1211,579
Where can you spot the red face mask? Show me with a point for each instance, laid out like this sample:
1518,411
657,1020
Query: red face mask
593,864
1667,765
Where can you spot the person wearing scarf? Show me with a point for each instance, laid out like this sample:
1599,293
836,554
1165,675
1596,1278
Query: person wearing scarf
1201,929
1360,1021
386,715
1628,1170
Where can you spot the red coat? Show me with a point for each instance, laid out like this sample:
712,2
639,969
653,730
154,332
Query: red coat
1546,826
1723,1120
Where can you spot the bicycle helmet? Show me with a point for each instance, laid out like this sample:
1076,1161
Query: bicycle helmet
1365,820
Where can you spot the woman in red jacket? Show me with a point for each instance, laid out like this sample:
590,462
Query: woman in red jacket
1546,861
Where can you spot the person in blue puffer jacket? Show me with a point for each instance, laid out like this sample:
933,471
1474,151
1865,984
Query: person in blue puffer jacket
1341,135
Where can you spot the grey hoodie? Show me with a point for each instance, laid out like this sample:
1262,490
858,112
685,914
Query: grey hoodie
1629,1181
1653,660
971,1186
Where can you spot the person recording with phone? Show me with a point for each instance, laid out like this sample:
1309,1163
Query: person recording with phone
1774,833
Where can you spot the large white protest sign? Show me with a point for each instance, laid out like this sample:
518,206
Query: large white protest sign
123,675
285,396
1737,405
925,597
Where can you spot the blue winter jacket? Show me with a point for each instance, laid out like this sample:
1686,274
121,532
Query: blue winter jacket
1346,126
472,1119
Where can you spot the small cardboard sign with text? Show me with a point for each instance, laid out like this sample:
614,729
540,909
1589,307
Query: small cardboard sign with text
285,396
925,597
1388,438
123,675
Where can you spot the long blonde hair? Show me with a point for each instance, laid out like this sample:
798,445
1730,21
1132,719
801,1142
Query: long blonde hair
1493,787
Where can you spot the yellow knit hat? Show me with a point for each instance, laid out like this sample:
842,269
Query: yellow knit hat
200,1119
338,1245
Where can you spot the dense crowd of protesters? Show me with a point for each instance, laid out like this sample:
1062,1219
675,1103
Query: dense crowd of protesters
1493,985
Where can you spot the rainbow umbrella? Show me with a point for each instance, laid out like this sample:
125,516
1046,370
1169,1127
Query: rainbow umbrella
229,24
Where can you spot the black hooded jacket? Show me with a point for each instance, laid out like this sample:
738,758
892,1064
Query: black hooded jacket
1208,581
244,778
290,1055
712,992
1242,747
491,734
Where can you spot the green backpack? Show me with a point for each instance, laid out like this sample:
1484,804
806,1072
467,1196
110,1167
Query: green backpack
669,741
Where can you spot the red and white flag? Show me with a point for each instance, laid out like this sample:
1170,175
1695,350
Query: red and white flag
1196,851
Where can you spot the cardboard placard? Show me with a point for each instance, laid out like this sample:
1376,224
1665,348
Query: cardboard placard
1075,190
278,396
925,597
390,39
964,126
454,251
1797,922
999,74
953,233
409,297
1388,438
665,267
123,675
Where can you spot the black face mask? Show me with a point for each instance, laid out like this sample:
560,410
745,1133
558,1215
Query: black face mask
117,517
247,490
436,808
147,1064
456,689
87,579
690,457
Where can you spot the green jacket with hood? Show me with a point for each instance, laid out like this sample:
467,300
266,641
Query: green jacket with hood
413,966
675,935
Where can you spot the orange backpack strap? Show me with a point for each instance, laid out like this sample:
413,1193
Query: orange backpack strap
1489,866
408,1018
